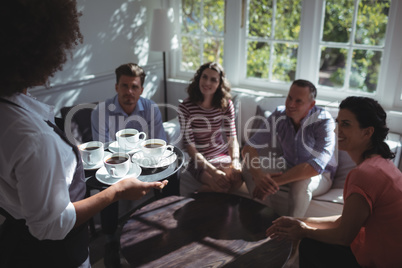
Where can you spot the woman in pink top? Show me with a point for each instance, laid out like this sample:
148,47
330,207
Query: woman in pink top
369,231
209,133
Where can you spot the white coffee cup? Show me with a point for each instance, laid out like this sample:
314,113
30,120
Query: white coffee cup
91,152
129,138
154,149
117,164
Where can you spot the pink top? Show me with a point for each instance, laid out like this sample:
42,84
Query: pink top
379,242
205,128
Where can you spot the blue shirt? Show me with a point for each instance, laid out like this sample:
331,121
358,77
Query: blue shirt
313,143
108,117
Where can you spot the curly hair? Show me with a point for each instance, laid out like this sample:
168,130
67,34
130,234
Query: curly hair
36,37
222,94
369,113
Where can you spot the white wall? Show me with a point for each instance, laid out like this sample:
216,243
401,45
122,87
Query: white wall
115,32
98,88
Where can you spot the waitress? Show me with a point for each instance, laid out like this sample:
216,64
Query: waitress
42,183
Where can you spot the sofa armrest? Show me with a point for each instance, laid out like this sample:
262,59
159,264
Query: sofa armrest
172,130
394,142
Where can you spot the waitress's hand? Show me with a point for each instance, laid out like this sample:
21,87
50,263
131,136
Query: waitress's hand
134,189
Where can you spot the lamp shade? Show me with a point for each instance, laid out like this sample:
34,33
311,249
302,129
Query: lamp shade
162,31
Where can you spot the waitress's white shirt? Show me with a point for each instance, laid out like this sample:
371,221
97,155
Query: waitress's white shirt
36,169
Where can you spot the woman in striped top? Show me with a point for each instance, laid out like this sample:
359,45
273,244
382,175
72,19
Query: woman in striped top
209,132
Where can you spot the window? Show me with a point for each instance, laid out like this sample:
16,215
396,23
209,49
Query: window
352,44
345,47
272,39
202,31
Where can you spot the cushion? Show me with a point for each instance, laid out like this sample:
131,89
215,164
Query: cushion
333,195
345,164
172,129
242,114
323,208
394,142
255,122
77,122
246,109
332,110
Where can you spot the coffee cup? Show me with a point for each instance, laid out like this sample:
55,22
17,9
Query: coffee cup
91,152
129,138
154,150
117,164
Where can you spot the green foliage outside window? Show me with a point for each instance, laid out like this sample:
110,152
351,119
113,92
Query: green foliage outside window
272,39
258,59
272,51
259,18
372,22
201,33
366,45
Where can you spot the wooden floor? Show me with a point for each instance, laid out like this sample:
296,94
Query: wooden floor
98,239
97,249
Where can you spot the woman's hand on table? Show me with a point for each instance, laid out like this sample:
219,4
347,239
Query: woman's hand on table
134,189
287,228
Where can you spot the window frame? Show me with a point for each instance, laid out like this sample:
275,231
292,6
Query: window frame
235,53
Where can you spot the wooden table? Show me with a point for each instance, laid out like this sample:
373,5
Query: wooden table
171,173
203,230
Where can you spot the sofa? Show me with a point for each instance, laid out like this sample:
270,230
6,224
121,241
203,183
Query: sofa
249,109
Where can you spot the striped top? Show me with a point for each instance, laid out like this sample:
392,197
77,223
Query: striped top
204,128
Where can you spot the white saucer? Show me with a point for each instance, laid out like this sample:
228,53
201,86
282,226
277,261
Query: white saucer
114,147
97,165
168,158
104,177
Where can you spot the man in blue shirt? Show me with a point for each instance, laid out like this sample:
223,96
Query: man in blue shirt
127,109
306,136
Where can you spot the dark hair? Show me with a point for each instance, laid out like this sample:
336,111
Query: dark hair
222,94
130,69
36,36
305,83
369,113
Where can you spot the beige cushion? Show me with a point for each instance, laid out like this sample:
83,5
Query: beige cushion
345,164
172,130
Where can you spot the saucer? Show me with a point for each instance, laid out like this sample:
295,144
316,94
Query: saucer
115,148
167,159
104,177
97,165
